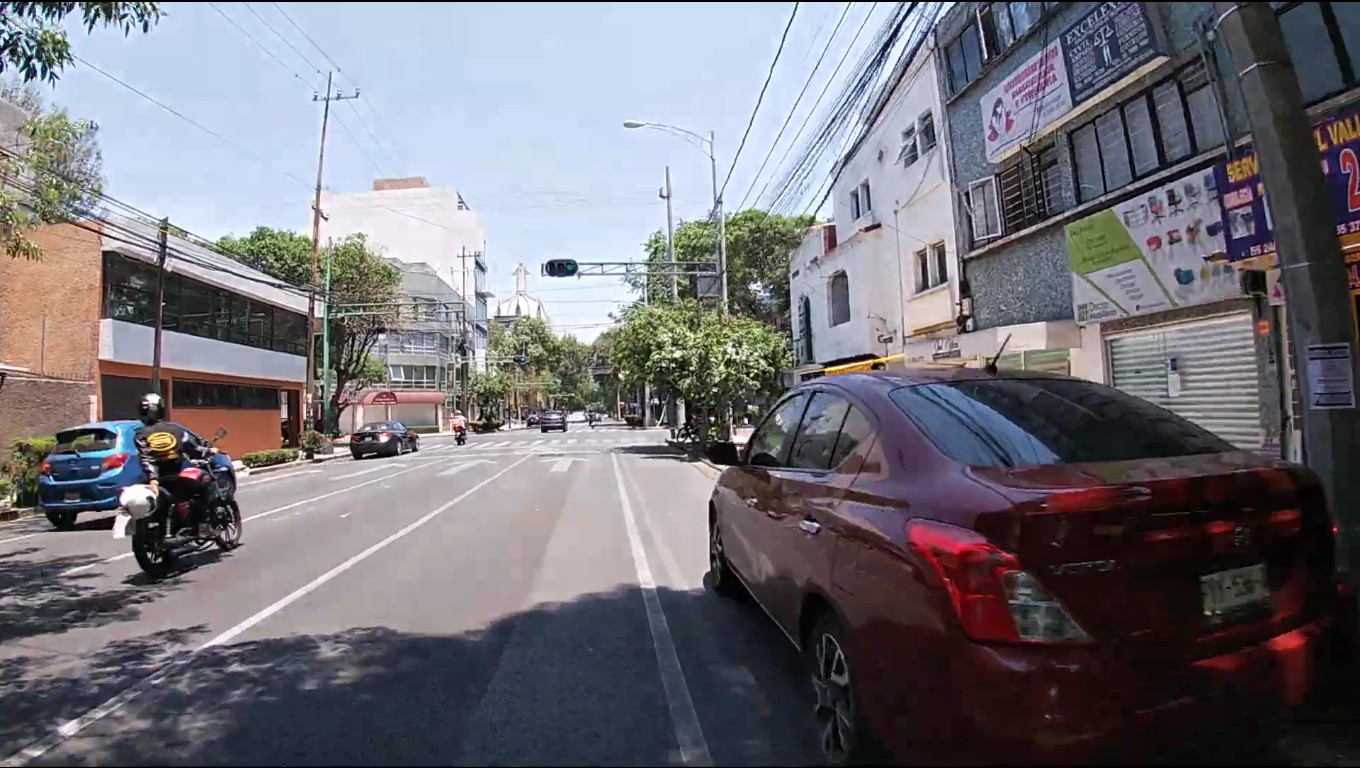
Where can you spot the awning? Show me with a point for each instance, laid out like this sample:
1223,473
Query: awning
401,397
968,347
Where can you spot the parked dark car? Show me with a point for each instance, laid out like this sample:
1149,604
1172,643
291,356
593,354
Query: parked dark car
531,420
553,420
1022,567
383,438
91,464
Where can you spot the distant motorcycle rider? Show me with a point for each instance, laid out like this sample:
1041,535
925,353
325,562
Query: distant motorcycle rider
163,448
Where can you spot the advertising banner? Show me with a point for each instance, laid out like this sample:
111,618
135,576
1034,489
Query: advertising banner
1149,254
1246,213
1106,44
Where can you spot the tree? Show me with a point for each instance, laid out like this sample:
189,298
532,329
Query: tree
529,336
488,389
707,360
758,248
33,42
54,173
359,275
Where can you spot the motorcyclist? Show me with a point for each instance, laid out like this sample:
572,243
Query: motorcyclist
458,423
163,448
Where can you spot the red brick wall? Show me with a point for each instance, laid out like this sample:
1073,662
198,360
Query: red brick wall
38,407
410,182
49,309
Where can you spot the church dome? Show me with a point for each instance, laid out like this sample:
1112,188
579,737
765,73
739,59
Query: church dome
521,304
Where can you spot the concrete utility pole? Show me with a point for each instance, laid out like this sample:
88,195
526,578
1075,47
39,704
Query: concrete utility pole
673,412
317,215
1311,264
162,252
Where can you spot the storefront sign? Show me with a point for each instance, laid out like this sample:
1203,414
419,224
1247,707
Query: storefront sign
1246,213
1112,40
1149,254
1103,46
945,349
384,398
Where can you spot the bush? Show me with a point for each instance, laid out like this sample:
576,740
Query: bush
633,421
486,425
257,459
424,430
25,459
312,440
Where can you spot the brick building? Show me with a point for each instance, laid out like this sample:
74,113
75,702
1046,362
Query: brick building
76,329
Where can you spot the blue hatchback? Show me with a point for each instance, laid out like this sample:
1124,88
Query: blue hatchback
87,470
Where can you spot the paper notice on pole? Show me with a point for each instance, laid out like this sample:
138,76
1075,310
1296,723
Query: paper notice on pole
1330,383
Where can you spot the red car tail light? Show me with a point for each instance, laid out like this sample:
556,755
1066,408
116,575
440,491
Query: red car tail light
46,469
113,461
384,435
996,600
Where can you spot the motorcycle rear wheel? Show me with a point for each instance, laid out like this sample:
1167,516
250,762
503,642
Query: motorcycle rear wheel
149,549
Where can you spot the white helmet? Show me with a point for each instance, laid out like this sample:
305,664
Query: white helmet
138,500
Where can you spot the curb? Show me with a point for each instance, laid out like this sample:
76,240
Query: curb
702,463
10,514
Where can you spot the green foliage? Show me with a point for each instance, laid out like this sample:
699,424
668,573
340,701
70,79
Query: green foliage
25,459
312,440
55,171
488,389
708,361
257,459
486,425
33,42
758,248
359,275
532,337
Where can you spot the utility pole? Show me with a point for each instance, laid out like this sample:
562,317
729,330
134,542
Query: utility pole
647,385
722,228
672,403
326,341
162,252
317,215
1311,265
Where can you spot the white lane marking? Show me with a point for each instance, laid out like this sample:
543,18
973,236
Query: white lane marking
571,440
563,464
346,489
105,561
246,482
368,471
689,734
21,538
456,468
70,728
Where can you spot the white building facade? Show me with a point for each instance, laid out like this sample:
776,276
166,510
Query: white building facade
415,222
881,280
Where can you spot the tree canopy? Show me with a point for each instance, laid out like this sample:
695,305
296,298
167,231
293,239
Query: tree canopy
34,44
55,172
359,275
758,248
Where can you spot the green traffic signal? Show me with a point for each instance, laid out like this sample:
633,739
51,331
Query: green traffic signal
560,268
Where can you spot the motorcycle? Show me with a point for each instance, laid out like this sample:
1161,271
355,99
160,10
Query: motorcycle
460,436
161,532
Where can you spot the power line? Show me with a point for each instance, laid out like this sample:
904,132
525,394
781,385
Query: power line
280,36
307,37
808,83
783,38
257,43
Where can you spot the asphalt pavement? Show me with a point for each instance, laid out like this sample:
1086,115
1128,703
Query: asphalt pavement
522,599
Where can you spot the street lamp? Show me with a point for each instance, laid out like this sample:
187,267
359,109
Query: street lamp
705,144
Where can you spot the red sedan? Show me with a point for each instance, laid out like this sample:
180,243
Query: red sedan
1020,567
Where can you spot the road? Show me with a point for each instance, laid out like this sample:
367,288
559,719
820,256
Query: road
523,599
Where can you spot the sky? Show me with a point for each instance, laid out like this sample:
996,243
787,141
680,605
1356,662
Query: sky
517,105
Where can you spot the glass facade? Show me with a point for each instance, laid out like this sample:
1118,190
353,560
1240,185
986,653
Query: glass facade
198,309
201,394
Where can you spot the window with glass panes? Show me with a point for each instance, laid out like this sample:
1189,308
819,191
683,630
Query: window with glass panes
991,31
1172,121
1324,44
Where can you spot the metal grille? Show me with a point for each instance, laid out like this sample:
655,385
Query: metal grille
1220,386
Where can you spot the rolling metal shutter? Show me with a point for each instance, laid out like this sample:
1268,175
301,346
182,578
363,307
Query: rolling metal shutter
1220,387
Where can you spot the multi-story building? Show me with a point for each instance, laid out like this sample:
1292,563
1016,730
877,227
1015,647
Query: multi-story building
232,346
881,279
1111,224
423,353
415,222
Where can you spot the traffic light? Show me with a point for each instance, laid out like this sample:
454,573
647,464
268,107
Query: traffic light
521,359
560,268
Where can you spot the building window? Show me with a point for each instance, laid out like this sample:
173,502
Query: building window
838,299
931,267
804,342
1174,120
861,204
414,376
1031,189
202,394
984,215
1324,53
909,152
925,129
994,28
198,309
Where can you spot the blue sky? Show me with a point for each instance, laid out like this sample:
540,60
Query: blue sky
518,105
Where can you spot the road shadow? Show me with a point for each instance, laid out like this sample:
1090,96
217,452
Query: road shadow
572,683
39,595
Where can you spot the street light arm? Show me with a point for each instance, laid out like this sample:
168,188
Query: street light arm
704,143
